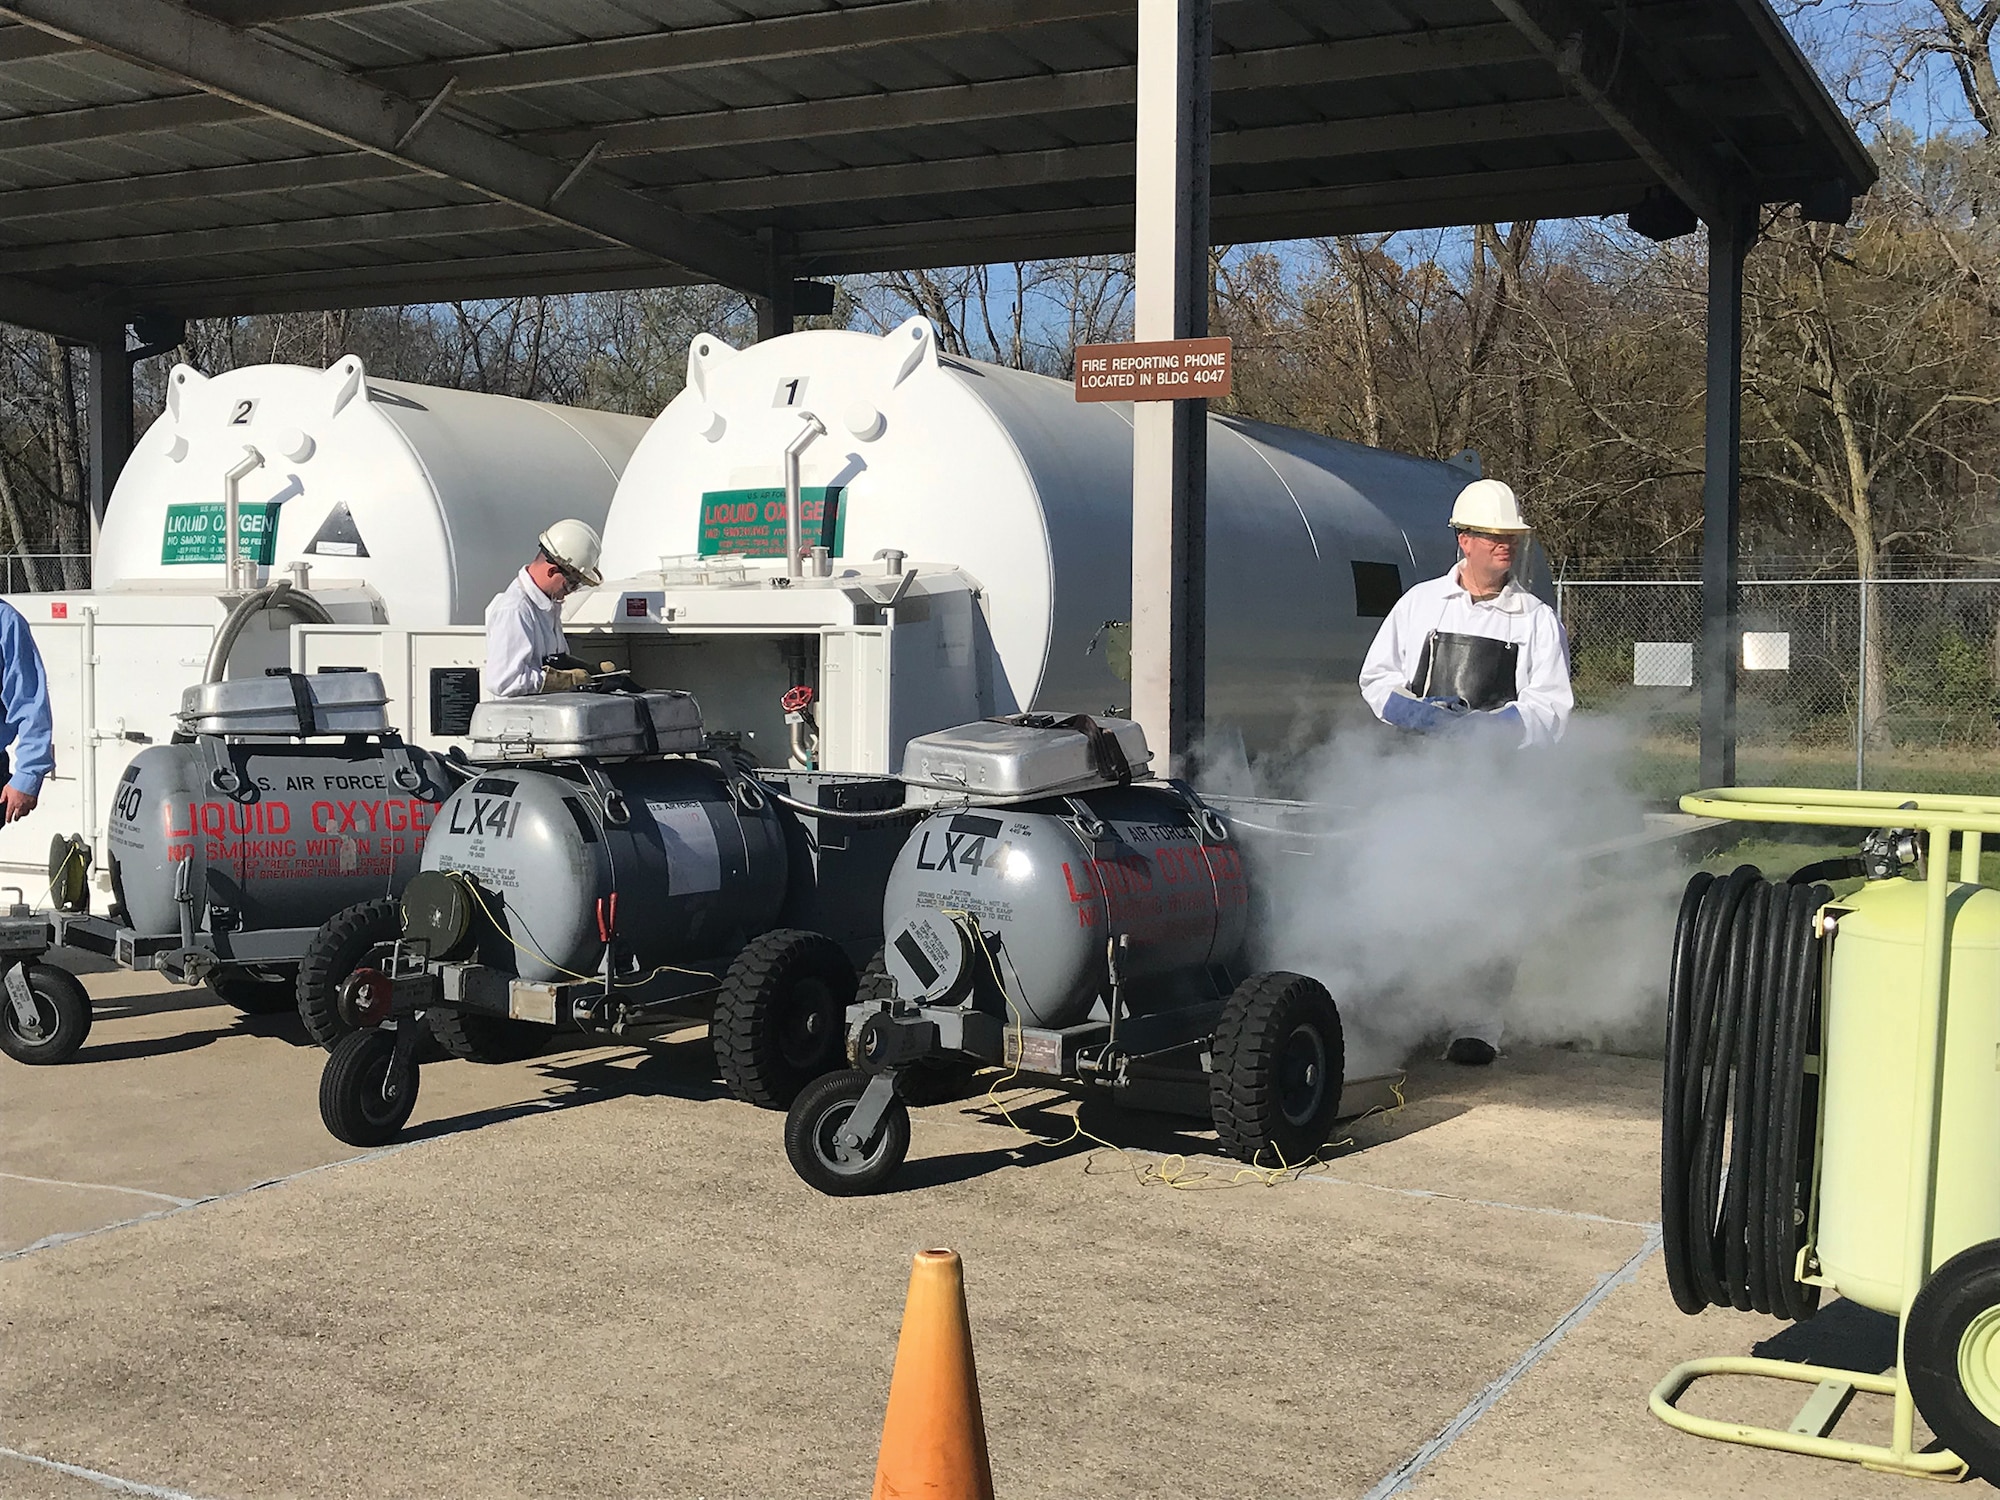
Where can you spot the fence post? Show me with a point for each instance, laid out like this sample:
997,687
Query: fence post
1861,688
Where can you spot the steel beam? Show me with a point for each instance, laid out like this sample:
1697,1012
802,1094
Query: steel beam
115,194
1607,67
295,234
25,44
109,403
73,319
67,127
814,34
1320,141
1170,438
1729,239
405,282
276,12
1041,94
245,68
1567,191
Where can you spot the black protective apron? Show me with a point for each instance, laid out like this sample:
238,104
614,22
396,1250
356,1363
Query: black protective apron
1481,671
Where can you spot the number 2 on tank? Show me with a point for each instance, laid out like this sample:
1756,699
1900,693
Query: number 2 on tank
789,391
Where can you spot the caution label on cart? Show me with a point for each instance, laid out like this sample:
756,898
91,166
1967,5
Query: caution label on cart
194,533
752,522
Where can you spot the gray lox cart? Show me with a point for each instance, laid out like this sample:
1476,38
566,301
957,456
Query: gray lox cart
602,868
281,800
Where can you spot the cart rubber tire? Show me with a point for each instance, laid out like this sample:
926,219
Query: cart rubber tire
354,1098
818,1111
476,1037
64,1006
254,992
781,1016
336,951
934,1080
1278,1058
1951,1355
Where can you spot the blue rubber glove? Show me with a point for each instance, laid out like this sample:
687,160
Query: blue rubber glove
1420,715
1501,726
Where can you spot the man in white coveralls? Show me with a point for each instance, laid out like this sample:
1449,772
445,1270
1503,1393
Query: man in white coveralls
524,621
1474,653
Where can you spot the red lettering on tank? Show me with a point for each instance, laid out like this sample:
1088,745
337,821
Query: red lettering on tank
174,829
347,816
1088,893
212,821
322,814
397,815
421,814
279,818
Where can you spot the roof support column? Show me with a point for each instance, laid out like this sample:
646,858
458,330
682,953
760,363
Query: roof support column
1728,244
110,413
774,309
1170,438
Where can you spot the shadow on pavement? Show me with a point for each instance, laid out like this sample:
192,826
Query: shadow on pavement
1844,1335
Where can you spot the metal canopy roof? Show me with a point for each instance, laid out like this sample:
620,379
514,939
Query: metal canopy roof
230,156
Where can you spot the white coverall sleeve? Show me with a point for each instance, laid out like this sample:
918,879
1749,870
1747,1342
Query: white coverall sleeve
1387,665
513,665
1545,698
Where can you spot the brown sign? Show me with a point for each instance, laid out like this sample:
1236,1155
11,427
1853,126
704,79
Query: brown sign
1169,370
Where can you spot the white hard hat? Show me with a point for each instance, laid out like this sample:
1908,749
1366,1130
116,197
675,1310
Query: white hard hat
1487,505
576,546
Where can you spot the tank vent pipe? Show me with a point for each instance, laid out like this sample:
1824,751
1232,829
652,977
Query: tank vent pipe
232,546
811,427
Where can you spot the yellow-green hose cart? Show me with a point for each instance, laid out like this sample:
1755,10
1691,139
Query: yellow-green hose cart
1831,1116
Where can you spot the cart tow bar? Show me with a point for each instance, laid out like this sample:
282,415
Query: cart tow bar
858,1131
22,998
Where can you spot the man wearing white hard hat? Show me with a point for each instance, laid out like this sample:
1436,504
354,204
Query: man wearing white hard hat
1474,653
524,621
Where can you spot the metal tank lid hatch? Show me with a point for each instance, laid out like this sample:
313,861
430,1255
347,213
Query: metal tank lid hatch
1025,756
568,726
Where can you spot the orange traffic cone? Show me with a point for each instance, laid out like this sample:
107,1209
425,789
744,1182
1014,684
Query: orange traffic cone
933,1438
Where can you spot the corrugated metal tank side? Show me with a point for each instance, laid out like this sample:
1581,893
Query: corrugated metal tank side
1358,504
1078,459
613,435
1288,514
501,470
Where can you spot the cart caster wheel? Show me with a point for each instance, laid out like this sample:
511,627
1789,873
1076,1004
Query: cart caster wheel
1951,1355
361,1098
1279,1061
60,1022
812,1131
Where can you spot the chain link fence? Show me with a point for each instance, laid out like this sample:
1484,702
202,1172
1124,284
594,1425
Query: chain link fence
44,572
1891,685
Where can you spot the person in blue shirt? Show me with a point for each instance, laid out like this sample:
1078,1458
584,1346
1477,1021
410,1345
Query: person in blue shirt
27,735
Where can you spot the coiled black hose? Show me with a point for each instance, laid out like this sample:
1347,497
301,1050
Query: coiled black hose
1738,1109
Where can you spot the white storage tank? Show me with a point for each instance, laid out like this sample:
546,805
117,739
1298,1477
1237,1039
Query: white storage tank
407,505
431,498
1005,476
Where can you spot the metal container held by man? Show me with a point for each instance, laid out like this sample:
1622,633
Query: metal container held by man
248,833
673,858
1060,879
